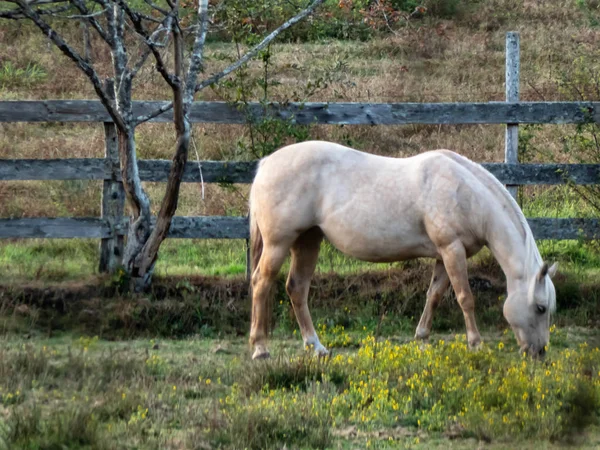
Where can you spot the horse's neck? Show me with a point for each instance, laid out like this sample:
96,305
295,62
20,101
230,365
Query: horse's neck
517,254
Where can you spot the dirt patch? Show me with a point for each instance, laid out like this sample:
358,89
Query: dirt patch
214,306
211,305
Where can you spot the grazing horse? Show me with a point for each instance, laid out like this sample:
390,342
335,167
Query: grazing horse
437,204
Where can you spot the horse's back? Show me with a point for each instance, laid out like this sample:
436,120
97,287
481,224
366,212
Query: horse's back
371,207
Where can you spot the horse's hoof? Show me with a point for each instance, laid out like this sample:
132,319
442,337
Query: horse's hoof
322,352
261,354
422,334
475,345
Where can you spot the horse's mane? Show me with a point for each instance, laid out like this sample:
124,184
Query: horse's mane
498,189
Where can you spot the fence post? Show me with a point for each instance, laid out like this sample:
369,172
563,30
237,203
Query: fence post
511,143
113,202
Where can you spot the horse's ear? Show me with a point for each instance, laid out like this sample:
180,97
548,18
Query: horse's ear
552,270
543,272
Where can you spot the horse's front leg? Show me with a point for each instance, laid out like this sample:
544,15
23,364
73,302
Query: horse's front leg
305,253
437,288
455,261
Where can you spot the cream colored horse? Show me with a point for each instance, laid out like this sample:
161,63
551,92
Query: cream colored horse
437,204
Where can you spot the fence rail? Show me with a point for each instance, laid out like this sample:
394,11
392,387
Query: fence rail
243,172
112,226
319,113
232,227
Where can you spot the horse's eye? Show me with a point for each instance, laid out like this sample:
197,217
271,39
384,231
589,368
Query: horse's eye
541,309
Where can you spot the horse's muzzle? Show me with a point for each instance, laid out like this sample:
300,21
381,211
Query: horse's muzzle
533,352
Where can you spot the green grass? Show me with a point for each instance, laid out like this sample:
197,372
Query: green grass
12,76
67,260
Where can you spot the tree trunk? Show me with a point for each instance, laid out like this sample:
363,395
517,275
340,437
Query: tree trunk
139,205
144,240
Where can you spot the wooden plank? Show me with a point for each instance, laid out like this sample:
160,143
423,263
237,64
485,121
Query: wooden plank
54,169
215,227
545,174
113,204
511,141
59,228
559,229
321,113
243,172
212,171
209,227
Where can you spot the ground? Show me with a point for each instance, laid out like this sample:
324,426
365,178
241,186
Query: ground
82,392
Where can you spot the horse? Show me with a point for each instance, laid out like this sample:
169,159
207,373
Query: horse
437,204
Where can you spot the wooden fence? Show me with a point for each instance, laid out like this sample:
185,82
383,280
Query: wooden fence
112,226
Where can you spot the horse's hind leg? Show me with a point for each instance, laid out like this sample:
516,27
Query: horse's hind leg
439,284
455,261
305,253
263,278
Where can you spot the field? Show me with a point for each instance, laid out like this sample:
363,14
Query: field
85,365
67,392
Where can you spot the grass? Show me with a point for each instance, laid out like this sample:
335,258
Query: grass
82,392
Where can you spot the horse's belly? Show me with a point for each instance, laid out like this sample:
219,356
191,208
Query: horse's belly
381,245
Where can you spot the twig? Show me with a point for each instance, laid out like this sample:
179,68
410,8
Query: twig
139,28
137,67
93,22
199,165
156,7
157,112
18,14
86,16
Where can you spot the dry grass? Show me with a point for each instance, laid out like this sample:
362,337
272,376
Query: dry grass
433,60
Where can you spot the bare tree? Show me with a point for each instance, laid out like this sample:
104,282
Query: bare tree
159,33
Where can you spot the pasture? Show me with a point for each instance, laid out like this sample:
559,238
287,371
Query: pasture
372,393
85,365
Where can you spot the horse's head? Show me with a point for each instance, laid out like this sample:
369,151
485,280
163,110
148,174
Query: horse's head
527,310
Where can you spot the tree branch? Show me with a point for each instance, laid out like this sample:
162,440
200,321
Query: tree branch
197,52
157,8
140,63
243,60
143,32
180,108
68,51
85,15
148,50
116,30
157,112
17,14
252,53
43,2
80,5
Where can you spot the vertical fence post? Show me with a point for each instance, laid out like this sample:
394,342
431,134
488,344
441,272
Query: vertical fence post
511,143
113,202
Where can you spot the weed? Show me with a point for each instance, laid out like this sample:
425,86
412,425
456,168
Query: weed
12,76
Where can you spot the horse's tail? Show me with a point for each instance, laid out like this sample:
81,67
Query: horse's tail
256,239
256,250
256,242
